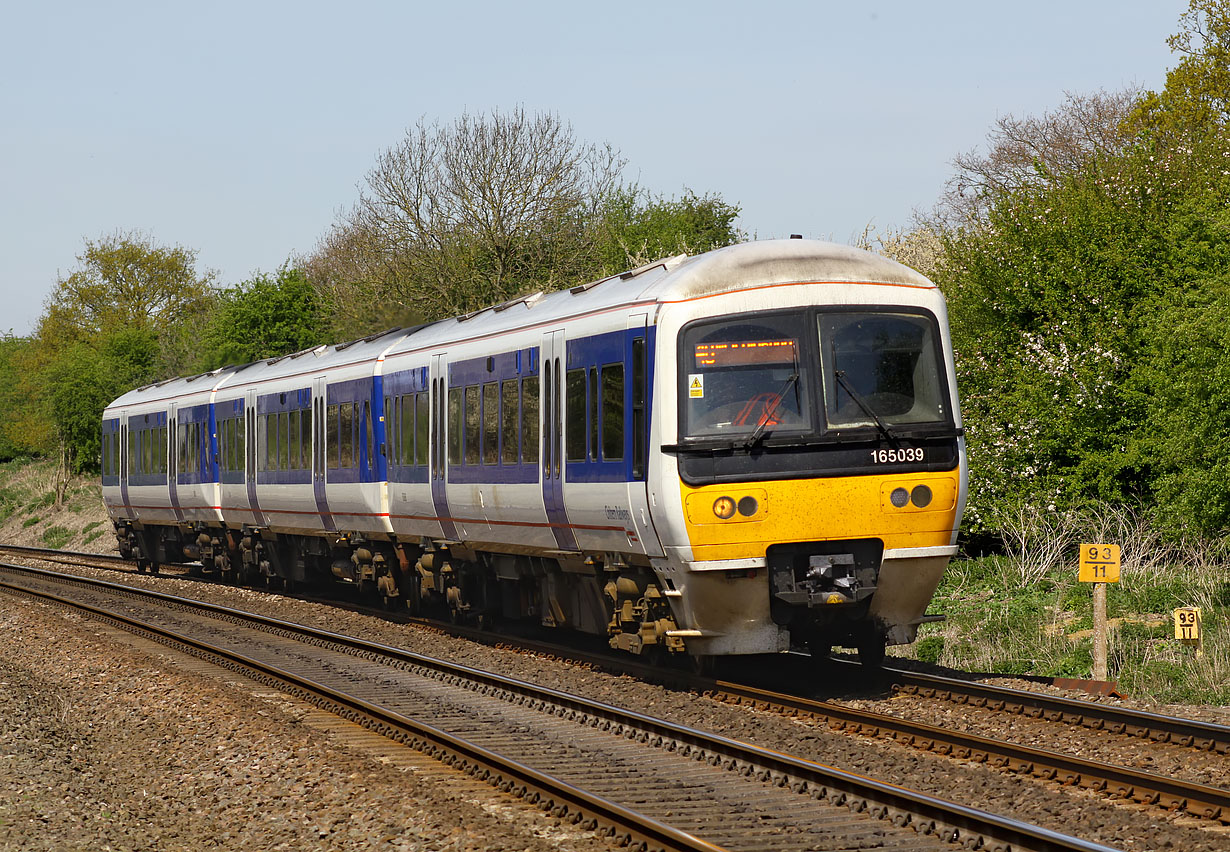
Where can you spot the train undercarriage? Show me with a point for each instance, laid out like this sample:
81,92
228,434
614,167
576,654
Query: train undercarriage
596,594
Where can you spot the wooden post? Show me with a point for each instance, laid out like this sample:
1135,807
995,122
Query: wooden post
1099,565
1100,633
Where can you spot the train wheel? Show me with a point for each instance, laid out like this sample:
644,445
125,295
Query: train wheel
820,649
871,651
703,665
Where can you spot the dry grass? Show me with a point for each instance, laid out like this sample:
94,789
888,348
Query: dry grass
29,516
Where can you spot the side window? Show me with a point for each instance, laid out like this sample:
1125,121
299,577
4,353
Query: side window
640,438
471,425
509,415
333,417
613,412
294,441
284,440
529,420
491,419
369,436
407,429
593,413
346,428
575,402
455,425
422,426
305,434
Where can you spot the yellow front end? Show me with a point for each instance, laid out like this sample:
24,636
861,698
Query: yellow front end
904,520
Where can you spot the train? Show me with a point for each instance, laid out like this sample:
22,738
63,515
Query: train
745,451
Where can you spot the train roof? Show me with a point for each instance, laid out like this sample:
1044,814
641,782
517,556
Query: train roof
746,266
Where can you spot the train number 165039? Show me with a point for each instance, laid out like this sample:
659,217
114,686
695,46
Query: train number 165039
905,454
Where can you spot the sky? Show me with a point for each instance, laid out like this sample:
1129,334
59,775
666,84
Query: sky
242,130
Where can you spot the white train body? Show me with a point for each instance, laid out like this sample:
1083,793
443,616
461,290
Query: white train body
703,455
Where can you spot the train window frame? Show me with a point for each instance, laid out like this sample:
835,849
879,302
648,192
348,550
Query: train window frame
491,423
422,427
941,387
529,419
472,424
510,421
576,412
613,410
805,355
810,359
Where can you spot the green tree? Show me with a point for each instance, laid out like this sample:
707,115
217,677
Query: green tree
637,228
124,280
264,317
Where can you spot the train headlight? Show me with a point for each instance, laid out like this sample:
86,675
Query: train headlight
724,508
900,497
920,496
748,506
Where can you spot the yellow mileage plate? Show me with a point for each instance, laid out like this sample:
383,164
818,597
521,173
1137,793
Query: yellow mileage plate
1187,624
1099,563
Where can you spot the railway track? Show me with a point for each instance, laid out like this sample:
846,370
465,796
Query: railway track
648,782
1202,801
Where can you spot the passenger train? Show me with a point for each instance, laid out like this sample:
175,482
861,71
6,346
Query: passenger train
739,452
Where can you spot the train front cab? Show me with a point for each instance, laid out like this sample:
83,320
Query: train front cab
821,470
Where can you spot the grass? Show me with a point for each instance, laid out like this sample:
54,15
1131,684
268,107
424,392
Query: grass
55,536
1019,613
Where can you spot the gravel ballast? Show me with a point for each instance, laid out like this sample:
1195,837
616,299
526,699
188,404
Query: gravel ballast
356,801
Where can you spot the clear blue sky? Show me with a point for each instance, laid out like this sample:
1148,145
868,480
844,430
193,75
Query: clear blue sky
241,129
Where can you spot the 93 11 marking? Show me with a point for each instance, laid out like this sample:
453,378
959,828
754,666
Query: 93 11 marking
905,454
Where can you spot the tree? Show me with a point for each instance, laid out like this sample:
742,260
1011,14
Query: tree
637,228
1196,98
263,317
462,216
1036,150
124,281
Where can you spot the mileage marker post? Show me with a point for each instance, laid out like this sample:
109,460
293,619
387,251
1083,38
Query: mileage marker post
1099,565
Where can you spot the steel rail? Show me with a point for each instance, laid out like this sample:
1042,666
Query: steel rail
541,789
1192,733
1196,799
929,814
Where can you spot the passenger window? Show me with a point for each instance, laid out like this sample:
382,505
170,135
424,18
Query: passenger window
369,436
529,420
294,442
613,412
491,422
422,427
471,425
284,440
508,422
593,413
575,439
333,418
456,425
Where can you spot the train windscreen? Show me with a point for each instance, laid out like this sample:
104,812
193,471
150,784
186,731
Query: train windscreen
880,365
745,375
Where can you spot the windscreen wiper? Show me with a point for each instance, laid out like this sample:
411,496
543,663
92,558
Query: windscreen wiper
862,403
770,410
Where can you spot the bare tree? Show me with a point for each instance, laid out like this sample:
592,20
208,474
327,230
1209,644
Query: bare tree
461,216
1035,150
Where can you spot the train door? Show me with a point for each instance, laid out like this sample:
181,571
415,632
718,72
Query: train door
250,459
553,439
123,457
640,371
174,453
439,445
320,452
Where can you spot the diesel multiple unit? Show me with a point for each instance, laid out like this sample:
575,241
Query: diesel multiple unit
733,453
